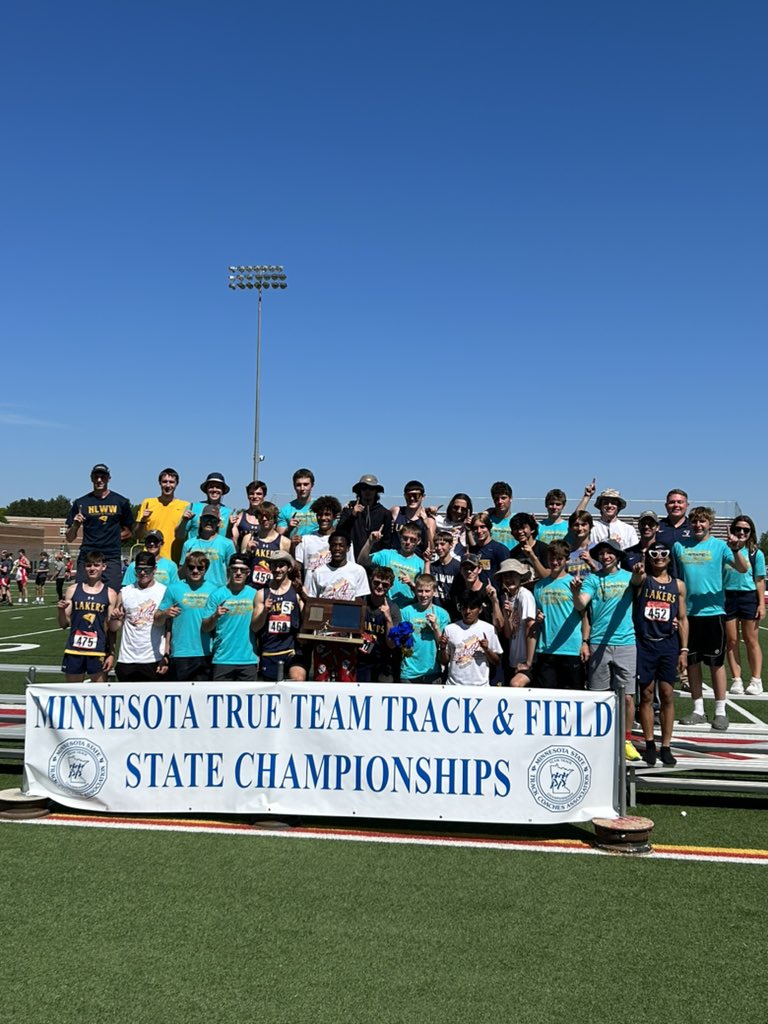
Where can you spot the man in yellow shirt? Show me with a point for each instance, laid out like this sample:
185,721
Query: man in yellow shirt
163,514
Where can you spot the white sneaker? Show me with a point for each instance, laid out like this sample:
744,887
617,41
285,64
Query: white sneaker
755,688
737,688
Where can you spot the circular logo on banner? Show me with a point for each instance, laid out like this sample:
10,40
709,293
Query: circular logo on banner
79,767
559,778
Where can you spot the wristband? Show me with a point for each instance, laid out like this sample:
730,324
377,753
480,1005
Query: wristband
686,649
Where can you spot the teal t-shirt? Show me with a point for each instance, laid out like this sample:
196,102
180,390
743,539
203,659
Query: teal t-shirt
702,567
218,549
552,531
165,572
612,596
423,659
234,642
187,638
197,510
500,530
735,580
408,565
295,510
560,632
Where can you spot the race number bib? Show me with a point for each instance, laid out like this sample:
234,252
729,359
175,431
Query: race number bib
261,576
279,624
83,641
657,611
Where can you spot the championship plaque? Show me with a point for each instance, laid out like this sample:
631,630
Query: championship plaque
333,621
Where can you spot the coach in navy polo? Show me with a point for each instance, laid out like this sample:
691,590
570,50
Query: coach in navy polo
106,519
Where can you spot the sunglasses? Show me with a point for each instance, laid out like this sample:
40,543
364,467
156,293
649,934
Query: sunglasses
659,552
144,570
238,568
742,529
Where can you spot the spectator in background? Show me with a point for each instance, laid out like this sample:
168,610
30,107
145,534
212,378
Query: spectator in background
59,573
163,514
41,577
6,565
106,519
21,568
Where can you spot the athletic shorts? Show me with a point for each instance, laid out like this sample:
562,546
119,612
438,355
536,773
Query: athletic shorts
268,666
740,604
610,665
138,672
235,673
706,640
82,665
560,672
182,670
41,578
657,663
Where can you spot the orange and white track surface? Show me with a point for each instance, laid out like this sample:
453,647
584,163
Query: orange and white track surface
266,830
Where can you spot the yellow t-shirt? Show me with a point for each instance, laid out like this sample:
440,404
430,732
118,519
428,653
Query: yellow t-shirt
164,518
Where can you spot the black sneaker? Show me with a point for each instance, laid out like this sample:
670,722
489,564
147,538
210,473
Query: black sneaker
667,757
649,754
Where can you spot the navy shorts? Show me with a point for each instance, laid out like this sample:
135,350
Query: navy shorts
740,604
82,665
657,663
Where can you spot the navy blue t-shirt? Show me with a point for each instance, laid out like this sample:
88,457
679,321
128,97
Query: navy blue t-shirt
105,517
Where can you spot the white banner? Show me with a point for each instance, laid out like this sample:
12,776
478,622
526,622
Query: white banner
367,750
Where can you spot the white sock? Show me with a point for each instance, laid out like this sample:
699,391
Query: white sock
756,679
698,706
719,707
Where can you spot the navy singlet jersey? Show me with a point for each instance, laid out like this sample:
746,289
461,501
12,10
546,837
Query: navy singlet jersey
88,630
655,610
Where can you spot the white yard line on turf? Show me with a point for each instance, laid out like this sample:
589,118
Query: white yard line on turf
18,636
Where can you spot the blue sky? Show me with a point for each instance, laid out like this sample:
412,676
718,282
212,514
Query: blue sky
523,242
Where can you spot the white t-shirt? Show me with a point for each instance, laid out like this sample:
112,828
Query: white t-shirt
142,642
468,665
523,607
343,584
313,551
623,533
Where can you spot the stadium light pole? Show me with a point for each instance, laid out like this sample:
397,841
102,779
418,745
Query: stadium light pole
258,278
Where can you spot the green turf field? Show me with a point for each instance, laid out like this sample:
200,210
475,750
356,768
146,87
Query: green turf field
122,926
144,927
